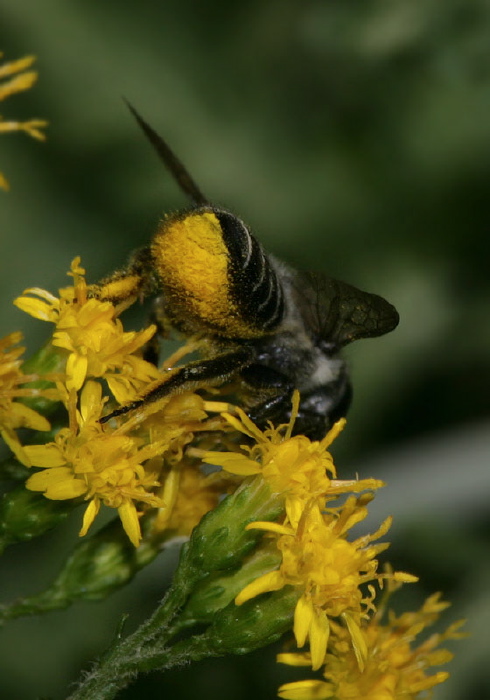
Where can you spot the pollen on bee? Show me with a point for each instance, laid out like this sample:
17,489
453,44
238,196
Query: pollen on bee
121,288
191,257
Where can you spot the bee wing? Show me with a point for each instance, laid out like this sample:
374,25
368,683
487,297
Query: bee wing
341,313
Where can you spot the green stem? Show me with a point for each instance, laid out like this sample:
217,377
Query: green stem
121,666
129,656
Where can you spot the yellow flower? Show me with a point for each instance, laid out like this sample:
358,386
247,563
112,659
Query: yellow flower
13,414
89,331
294,466
316,557
188,492
394,669
328,569
189,495
100,465
17,78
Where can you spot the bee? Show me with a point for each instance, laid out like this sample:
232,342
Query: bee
267,327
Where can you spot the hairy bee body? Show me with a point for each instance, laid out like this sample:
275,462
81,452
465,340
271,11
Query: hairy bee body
215,274
269,327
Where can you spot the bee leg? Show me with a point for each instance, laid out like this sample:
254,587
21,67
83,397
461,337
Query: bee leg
135,280
269,381
321,408
318,410
192,376
275,409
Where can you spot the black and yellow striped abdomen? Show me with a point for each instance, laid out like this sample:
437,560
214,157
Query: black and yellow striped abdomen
215,274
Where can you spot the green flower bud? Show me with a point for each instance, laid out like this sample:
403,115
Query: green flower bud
25,514
12,470
221,540
218,590
96,567
240,629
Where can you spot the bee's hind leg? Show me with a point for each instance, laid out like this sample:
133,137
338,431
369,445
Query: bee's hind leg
194,375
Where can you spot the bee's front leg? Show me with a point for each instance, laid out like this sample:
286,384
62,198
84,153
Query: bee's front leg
136,280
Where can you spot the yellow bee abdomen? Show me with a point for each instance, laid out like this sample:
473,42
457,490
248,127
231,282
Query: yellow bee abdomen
192,262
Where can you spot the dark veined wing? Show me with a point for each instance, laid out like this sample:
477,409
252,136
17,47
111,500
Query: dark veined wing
340,313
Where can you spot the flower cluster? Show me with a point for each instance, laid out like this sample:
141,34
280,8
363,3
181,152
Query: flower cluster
16,77
317,559
280,547
129,467
14,414
92,336
86,461
394,666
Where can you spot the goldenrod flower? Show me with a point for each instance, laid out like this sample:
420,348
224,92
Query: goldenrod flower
187,491
394,668
101,465
17,78
189,495
297,467
316,557
92,336
329,570
13,414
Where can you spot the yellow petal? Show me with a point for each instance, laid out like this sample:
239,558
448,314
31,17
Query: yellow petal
62,339
294,659
303,615
44,294
404,577
270,527
130,522
16,66
232,462
57,484
429,682
306,690
11,439
43,310
26,417
66,490
120,388
358,642
333,433
295,507
294,414
272,581
319,633
91,400
76,369
89,516
45,455
244,425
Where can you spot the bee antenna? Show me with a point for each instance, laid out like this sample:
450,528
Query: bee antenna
170,160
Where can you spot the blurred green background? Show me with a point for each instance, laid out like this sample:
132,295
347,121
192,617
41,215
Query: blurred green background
354,137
